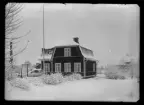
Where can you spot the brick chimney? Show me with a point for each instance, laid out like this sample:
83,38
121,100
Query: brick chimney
76,39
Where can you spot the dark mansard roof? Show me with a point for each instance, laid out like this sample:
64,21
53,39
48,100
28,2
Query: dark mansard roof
87,53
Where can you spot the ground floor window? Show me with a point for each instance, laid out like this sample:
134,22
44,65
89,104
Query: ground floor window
47,67
93,67
67,67
57,67
77,67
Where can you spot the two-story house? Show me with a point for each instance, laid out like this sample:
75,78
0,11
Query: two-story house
69,58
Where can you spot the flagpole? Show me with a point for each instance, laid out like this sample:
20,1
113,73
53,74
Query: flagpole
43,41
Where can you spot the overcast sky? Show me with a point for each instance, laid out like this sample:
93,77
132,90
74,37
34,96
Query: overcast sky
110,31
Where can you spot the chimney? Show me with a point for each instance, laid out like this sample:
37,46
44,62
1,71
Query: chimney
76,39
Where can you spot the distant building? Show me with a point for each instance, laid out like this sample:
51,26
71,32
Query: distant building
69,58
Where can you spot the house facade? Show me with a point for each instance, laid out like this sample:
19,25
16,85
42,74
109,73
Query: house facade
69,58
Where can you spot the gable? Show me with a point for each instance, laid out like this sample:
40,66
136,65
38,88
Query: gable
47,54
75,51
88,54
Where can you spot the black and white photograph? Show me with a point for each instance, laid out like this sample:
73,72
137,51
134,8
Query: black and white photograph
72,52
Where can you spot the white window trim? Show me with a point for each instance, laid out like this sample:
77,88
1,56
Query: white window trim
76,66
47,67
67,67
67,52
57,65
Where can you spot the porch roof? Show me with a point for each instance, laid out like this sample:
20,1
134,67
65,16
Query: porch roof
46,57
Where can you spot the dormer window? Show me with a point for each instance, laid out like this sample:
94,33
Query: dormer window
67,52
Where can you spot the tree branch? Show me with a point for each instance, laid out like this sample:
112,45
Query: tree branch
16,42
19,51
13,27
12,9
14,38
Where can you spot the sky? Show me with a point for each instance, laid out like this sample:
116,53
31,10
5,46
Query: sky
110,30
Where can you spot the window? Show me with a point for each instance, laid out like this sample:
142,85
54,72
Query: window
57,67
67,52
47,67
77,67
93,67
67,67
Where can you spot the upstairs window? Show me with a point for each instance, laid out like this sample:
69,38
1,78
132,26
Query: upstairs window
67,52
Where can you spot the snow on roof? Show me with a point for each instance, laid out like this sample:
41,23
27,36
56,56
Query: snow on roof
46,57
65,43
90,58
68,43
88,54
38,61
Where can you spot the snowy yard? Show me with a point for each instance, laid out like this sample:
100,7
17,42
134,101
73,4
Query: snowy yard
93,89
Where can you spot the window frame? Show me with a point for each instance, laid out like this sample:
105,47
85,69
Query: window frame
67,67
67,52
57,65
77,66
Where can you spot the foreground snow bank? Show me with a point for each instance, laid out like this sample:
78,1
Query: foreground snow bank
82,90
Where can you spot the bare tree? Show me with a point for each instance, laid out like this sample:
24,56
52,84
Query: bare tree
12,23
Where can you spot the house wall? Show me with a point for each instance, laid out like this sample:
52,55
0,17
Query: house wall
75,51
71,60
89,68
76,56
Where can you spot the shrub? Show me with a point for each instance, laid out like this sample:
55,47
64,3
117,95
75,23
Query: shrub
53,79
69,78
20,83
74,76
35,81
10,75
46,79
122,77
77,76
117,72
116,75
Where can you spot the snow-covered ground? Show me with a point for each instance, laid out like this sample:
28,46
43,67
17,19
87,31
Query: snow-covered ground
92,89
